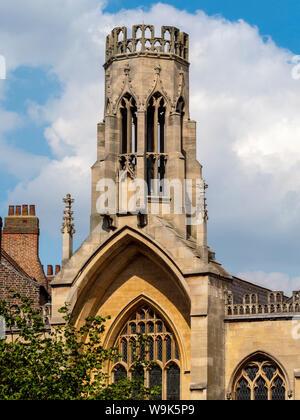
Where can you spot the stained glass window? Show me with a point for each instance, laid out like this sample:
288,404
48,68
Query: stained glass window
243,392
269,371
251,371
133,349
260,390
260,379
278,390
150,327
124,350
151,349
119,373
173,382
155,379
159,327
168,349
161,347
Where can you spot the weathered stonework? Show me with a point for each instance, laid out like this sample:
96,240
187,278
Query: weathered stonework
134,263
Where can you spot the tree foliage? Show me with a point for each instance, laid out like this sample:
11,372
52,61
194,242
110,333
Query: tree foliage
64,362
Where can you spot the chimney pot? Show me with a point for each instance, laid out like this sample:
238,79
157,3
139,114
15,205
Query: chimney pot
25,210
18,210
32,210
11,210
49,270
57,269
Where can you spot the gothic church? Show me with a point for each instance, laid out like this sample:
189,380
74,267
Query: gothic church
214,336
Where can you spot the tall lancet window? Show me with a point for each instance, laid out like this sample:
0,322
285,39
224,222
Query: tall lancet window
180,110
128,114
156,158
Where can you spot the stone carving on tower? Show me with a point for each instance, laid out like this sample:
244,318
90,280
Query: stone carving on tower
147,138
146,265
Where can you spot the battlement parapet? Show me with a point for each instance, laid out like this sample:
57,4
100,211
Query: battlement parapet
275,304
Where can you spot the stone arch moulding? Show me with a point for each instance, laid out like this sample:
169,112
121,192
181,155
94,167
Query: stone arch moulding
117,243
249,357
127,87
157,87
161,93
125,313
124,93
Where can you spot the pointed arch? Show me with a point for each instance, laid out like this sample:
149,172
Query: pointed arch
158,87
124,317
158,91
96,278
143,310
127,112
126,93
156,123
127,88
259,376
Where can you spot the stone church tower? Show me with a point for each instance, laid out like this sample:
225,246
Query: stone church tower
146,262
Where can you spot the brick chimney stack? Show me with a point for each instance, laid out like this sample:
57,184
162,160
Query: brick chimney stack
20,239
0,238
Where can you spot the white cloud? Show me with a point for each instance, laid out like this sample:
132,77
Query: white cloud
242,95
273,281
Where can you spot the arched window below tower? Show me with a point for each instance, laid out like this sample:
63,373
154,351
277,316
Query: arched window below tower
260,378
161,347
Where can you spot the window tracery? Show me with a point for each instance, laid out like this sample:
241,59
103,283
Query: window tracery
259,379
162,348
128,112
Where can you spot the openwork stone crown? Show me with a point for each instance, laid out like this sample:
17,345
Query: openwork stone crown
171,42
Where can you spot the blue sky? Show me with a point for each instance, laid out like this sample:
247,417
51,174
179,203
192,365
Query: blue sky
52,97
278,18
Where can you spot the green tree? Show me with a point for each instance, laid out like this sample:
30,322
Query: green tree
64,362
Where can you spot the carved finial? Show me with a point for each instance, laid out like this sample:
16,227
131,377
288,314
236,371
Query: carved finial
68,225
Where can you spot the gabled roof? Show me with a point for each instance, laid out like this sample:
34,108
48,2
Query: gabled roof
6,257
